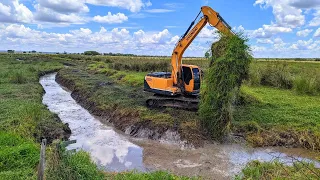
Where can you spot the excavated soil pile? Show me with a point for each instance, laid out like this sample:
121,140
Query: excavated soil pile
229,67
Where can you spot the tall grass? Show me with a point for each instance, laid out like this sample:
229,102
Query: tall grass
18,77
286,75
18,156
307,85
66,165
141,67
277,170
273,74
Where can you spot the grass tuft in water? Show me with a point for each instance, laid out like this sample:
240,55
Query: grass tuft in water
277,170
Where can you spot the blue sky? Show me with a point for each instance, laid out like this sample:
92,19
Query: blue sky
276,28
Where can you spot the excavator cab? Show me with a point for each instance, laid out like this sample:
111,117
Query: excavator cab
191,78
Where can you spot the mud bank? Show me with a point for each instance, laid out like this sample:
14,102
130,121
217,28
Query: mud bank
129,123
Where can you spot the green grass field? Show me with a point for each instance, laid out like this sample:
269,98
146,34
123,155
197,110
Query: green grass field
281,109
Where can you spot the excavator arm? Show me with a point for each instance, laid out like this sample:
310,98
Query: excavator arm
209,16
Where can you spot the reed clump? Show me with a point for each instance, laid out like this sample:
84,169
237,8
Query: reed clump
229,67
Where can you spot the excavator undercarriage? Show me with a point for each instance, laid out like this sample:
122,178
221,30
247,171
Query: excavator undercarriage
180,102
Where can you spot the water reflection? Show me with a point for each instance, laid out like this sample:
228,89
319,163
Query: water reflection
107,148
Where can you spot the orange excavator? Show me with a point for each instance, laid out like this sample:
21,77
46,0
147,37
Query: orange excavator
181,87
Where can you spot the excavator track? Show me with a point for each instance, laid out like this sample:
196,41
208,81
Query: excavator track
180,102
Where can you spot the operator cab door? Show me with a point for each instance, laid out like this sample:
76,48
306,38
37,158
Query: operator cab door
188,80
197,78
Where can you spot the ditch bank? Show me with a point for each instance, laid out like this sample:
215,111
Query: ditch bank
127,121
52,130
114,152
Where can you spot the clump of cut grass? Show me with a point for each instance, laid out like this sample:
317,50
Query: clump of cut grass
231,59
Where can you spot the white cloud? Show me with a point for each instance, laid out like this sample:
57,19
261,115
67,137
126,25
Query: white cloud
119,36
238,29
15,31
264,41
111,18
317,33
49,13
268,31
174,40
290,13
5,10
173,5
20,37
65,6
304,33
208,32
22,13
82,32
316,19
303,45
258,48
154,38
159,10
285,14
278,41
132,5
305,4
46,15
280,49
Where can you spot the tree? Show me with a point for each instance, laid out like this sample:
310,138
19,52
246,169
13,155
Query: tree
207,54
92,53
10,51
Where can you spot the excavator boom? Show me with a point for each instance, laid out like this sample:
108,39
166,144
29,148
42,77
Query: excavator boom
209,16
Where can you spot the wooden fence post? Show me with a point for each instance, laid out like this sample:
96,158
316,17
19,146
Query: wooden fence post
42,159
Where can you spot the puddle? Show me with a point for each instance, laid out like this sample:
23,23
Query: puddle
114,151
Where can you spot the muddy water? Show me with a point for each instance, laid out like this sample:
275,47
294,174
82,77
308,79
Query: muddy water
114,151
107,148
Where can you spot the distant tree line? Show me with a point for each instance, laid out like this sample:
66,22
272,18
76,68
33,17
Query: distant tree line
13,51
